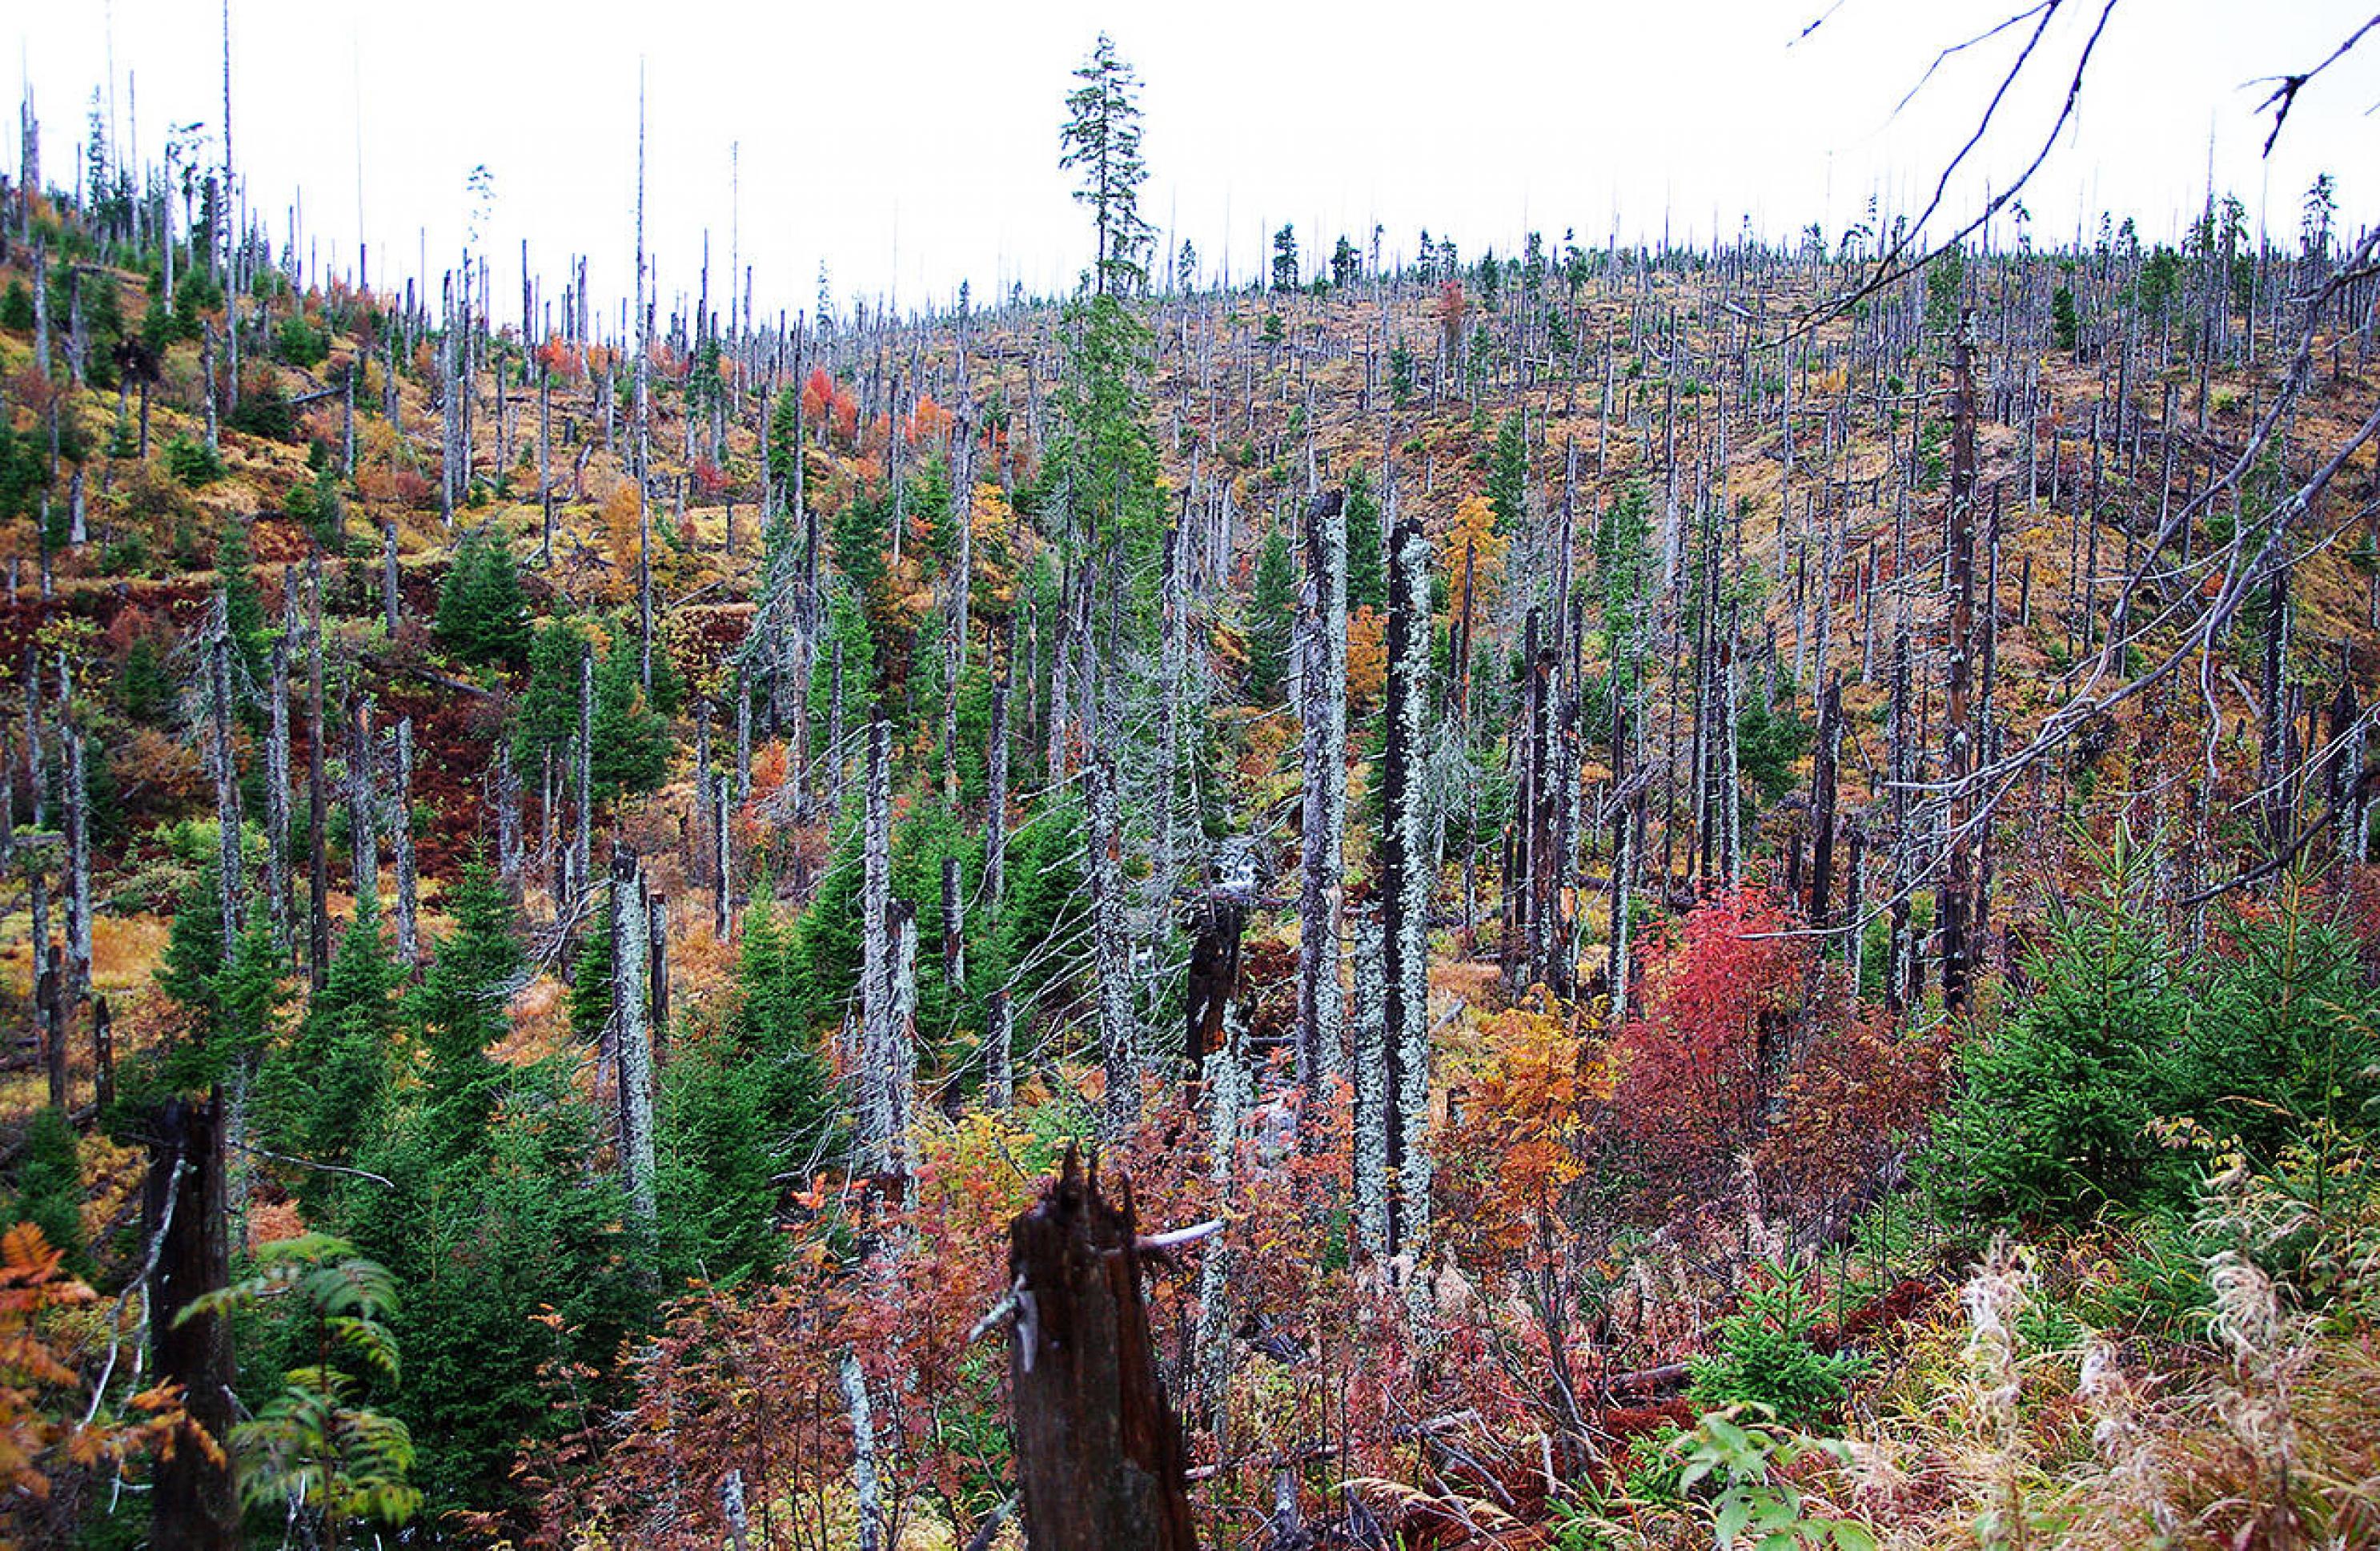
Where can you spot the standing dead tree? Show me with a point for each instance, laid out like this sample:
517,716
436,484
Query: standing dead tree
1119,1034
1100,1456
1322,707
193,1504
633,1029
887,1061
1403,1115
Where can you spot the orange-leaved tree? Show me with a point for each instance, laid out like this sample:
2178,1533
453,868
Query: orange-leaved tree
52,1425
1520,1142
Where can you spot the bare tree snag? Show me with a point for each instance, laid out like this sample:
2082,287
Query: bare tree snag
317,930
883,1096
1958,877
1100,1458
193,1506
583,840
1404,889
1111,954
631,1021
1225,1078
76,980
999,1077
103,1052
1220,916
657,974
1823,783
47,1023
1322,708
276,772
390,598
400,829
363,821
226,772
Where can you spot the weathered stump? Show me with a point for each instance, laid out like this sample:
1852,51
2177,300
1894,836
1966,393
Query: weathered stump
1098,1452
194,1507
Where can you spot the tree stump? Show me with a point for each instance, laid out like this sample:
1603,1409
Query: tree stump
1098,1452
194,1507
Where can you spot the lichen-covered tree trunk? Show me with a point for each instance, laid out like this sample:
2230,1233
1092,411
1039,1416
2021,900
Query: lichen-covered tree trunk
883,1097
1405,893
1172,655
1224,1079
961,606
1322,708
1958,879
226,772
1902,954
1374,1117
77,796
631,1031
400,829
507,781
318,875
276,771
1110,953
582,850
999,1075
1823,783
389,600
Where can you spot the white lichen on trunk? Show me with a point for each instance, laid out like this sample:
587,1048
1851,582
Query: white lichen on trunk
1404,891
1322,707
1110,953
631,1041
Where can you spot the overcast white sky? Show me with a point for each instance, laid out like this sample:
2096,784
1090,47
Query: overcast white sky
913,145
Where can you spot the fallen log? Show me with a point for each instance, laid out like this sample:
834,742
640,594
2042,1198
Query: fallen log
1665,1379
428,675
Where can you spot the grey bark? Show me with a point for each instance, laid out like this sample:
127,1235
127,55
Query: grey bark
883,1100
400,829
1111,954
630,1031
1322,707
1404,892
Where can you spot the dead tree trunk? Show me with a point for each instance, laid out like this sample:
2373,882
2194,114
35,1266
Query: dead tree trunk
631,1044
1903,952
1822,801
77,980
1220,916
47,1024
193,1506
317,875
582,844
1404,890
363,827
1100,1458
999,1079
400,829
883,1098
1959,875
722,863
1111,954
1322,707
276,774
390,599
102,1054
226,775
657,974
